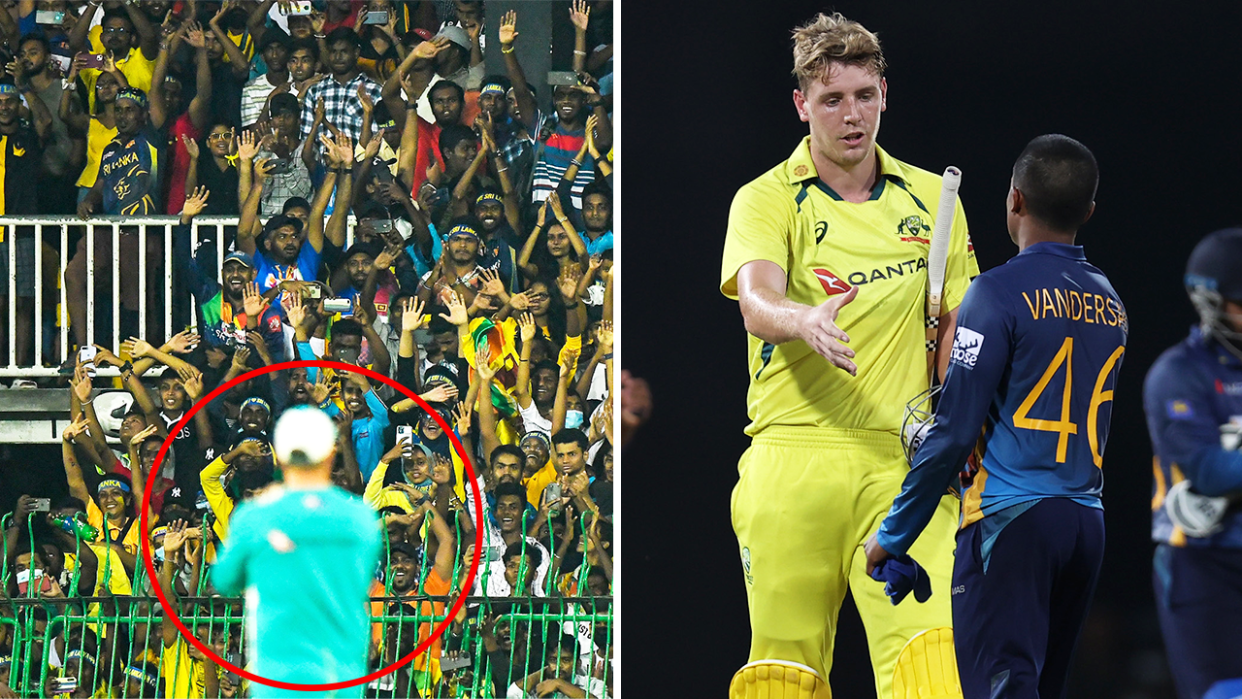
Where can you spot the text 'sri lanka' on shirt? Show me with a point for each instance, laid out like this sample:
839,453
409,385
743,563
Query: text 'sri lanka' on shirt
129,167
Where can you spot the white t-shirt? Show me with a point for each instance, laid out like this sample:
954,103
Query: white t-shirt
533,420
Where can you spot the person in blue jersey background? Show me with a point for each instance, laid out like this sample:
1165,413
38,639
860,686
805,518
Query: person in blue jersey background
1035,358
303,545
1193,399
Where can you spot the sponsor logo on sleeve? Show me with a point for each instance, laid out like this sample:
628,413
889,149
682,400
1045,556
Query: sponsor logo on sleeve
966,346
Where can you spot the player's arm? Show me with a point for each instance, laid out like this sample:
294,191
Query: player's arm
963,408
1180,416
944,342
772,317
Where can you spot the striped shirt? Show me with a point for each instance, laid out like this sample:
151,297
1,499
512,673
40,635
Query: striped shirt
557,147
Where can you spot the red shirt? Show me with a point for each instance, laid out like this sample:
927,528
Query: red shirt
348,22
180,162
157,493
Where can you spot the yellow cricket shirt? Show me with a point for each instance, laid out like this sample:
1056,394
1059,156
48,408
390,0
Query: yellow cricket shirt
826,246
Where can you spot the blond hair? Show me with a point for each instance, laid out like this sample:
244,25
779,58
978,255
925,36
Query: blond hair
831,39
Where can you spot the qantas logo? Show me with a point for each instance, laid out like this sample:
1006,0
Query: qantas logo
832,284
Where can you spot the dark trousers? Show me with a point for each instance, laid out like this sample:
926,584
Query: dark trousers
1199,600
1015,626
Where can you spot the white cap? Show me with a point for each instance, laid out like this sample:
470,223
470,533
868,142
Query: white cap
304,436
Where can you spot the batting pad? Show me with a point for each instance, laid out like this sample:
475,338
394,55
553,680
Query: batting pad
776,679
927,667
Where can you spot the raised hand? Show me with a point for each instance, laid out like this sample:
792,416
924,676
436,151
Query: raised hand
442,393
105,357
365,99
492,283
136,347
411,315
519,302
372,148
362,313
568,283
508,28
321,389
542,218
321,110
194,387
174,537
74,429
473,28
240,357
527,327
385,259
137,439
591,123
196,203
569,362
603,336
194,35
579,14
82,385
191,146
253,301
296,312
184,342
554,201
483,365
251,447
329,150
456,309
248,147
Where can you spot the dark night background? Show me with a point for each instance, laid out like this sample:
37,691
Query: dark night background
1151,88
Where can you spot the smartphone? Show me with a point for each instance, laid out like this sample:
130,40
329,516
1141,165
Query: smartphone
313,291
282,167
86,355
462,660
23,581
93,60
49,17
63,63
64,685
42,504
301,8
376,17
234,678
405,435
551,494
560,78
337,305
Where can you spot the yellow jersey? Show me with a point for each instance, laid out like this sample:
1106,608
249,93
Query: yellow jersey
827,245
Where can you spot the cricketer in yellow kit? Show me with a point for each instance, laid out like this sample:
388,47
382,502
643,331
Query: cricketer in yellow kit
826,254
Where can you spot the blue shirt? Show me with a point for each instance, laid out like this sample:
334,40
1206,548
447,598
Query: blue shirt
367,433
269,273
1035,359
1193,391
599,245
130,168
305,559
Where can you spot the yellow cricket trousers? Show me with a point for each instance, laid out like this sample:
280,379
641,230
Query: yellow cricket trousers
807,500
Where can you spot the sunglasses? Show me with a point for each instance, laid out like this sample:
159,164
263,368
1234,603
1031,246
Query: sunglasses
219,137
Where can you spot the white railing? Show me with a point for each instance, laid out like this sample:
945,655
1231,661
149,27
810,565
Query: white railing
111,225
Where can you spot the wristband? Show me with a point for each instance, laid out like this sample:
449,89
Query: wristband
606,356
326,402
579,53
321,36
508,50
127,367
574,161
411,105
567,306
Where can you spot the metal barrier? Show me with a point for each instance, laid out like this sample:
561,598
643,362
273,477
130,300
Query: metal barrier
142,227
107,636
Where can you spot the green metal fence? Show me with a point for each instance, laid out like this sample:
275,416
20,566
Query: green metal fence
113,645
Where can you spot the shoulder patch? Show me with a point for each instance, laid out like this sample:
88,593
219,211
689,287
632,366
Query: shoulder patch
1179,410
966,346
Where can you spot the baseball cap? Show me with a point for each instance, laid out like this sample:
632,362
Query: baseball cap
455,34
285,103
423,34
241,257
304,436
279,221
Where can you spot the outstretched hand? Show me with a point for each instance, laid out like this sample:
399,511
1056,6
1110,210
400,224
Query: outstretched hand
818,328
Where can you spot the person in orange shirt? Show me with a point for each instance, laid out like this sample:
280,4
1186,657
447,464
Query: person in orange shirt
404,575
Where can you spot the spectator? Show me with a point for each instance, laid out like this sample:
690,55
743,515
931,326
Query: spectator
340,92
38,75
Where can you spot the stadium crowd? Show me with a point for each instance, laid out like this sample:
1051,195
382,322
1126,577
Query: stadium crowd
393,207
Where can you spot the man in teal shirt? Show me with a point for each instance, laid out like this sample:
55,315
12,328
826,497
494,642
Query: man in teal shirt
304,553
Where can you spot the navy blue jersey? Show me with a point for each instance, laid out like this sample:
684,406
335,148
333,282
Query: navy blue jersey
130,168
1035,358
1193,399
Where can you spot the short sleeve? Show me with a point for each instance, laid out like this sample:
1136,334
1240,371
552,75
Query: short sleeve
962,265
761,220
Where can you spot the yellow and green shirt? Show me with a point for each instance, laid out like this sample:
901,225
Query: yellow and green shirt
826,245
